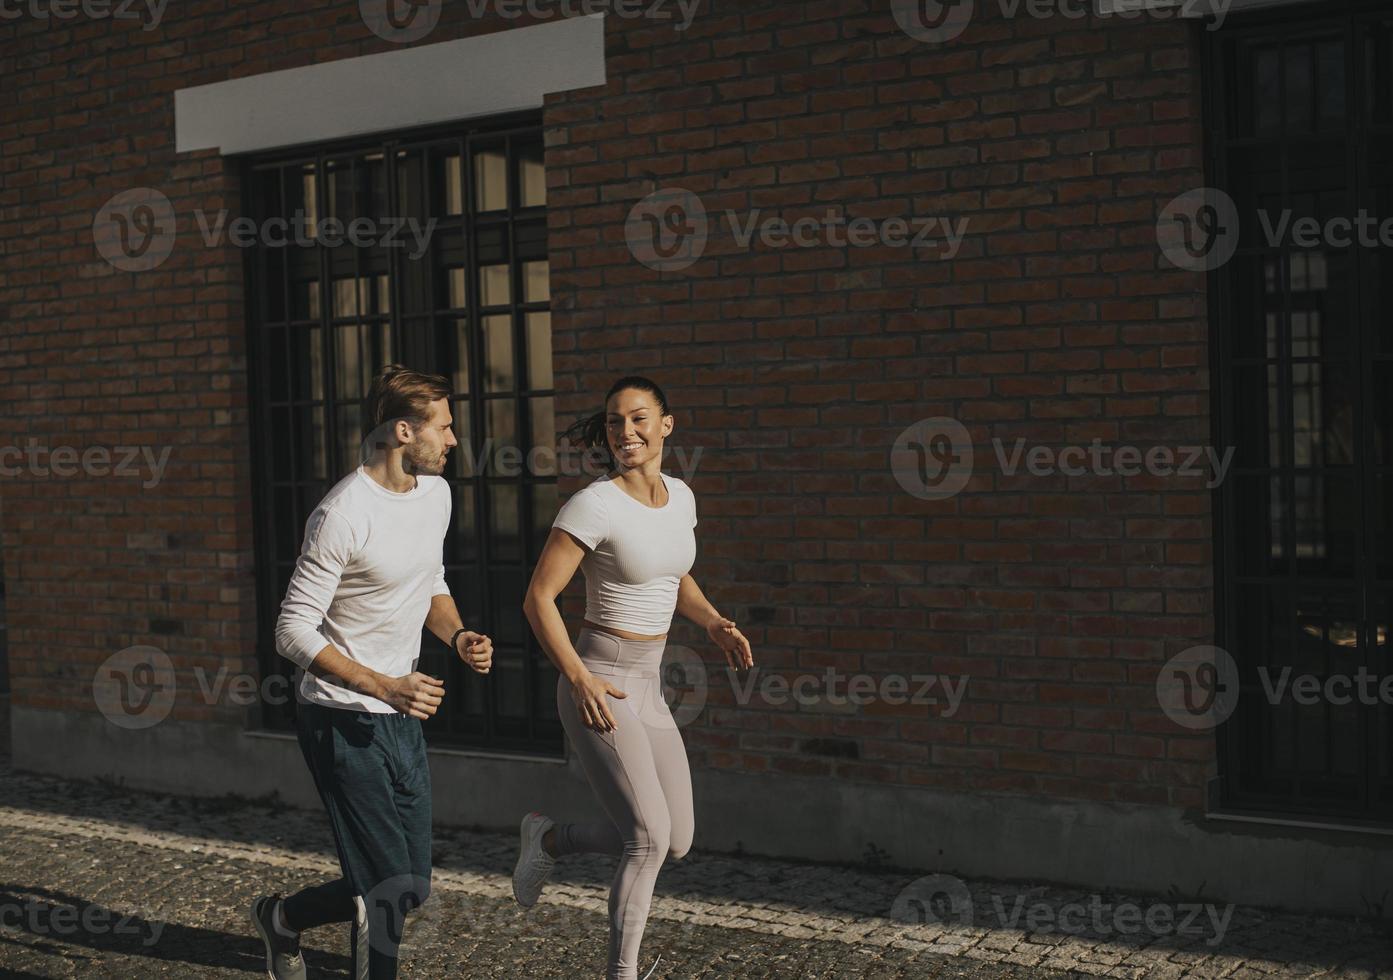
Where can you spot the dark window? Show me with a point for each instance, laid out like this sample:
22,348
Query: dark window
1300,122
473,306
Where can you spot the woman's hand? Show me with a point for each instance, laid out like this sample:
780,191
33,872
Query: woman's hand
589,694
732,643
476,650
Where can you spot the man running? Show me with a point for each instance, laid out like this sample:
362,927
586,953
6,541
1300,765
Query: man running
368,577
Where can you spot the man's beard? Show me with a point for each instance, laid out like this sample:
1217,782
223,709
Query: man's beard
423,463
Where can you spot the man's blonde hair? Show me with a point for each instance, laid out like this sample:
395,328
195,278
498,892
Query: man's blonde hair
401,393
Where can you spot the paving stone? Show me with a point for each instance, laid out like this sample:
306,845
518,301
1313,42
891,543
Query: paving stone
178,874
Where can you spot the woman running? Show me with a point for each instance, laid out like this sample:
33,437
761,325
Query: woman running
630,533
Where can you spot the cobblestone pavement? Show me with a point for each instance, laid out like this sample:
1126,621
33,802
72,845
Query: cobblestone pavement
100,881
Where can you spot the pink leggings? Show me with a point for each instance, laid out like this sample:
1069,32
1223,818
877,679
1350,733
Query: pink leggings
639,774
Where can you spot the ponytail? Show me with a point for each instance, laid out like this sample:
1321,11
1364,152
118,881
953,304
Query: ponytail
589,434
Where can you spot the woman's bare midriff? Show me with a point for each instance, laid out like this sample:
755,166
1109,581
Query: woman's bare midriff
622,634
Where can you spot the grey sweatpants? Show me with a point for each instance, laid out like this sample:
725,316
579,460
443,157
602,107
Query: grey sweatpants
639,773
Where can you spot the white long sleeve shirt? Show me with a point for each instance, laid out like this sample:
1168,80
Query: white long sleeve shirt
368,568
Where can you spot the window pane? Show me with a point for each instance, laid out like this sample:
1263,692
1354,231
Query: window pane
504,534
311,448
1383,528
498,353
307,363
345,298
1326,509
352,449
543,422
455,339
273,357
462,456
411,203
307,498
365,295
338,190
282,438
1330,84
536,285
509,589
500,428
1383,413
275,263
287,533
304,284
509,687
1256,289
452,261
1257,416
466,530
448,180
1299,87
544,507
1322,414
349,362
539,350
1379,82
544,696
1267,92
1259,518
490,181
532,178
494,286
302,199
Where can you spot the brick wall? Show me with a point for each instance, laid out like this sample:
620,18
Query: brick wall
794,369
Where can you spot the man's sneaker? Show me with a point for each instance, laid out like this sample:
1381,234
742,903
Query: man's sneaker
534,863
283,959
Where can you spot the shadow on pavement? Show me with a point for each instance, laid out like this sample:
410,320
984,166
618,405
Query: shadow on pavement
56,921
839,893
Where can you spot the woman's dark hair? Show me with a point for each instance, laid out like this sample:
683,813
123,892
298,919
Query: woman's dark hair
589,433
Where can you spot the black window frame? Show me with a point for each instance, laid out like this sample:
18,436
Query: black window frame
470,718
1240,786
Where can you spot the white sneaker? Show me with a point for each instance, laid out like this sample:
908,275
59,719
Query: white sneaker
534,863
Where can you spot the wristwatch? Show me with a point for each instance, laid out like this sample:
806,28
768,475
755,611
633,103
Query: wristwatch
454,640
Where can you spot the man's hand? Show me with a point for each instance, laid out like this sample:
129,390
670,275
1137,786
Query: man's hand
416,694
476,650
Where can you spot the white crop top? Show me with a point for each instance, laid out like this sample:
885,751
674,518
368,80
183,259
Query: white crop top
636,555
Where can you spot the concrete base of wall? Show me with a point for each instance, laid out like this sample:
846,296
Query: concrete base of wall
4,727
1100,846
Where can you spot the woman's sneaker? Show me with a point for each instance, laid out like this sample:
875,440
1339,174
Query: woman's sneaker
283,959
534,863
